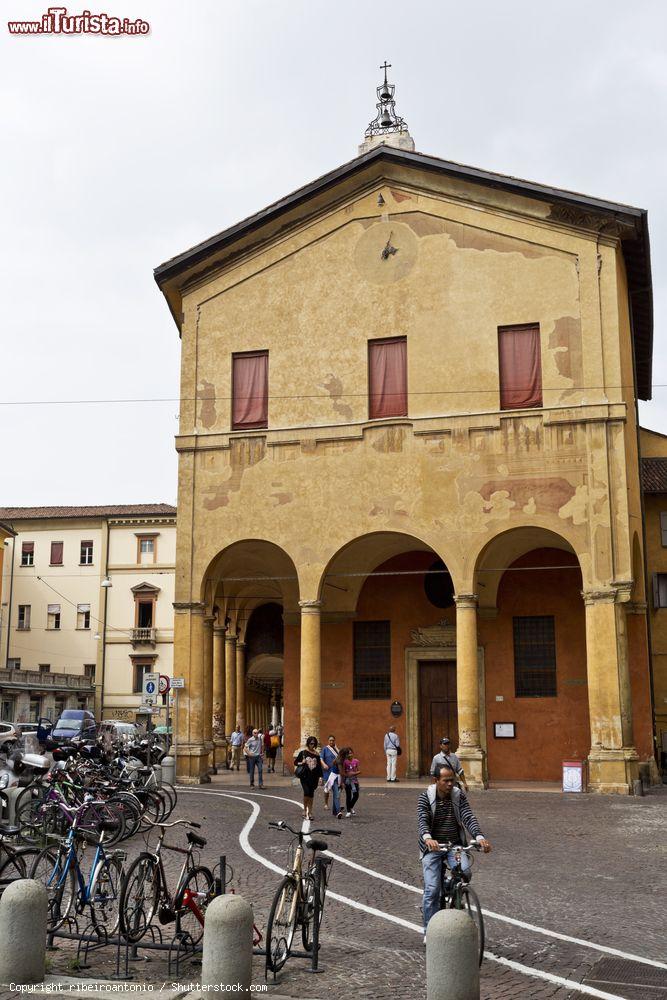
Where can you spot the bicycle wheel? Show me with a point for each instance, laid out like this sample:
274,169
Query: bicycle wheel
28,815
105,895
11,868
52,870
138,897
152,806
131,811
282,924
171,794
199,883
466,899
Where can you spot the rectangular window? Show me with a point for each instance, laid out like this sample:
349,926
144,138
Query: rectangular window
14,663
145,614
146,550
56,553
24,617
140,667
83,616
27,553
520,365
663,529
535,657
35,709
86,553
53,617
250,390
387,378
89,671
660,590
372,660
45,668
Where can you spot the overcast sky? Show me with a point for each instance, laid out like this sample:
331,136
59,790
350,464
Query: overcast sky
118,153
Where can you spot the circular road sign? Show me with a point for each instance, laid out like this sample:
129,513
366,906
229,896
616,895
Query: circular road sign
163,684
150,687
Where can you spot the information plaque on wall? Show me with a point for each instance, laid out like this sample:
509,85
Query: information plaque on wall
573,776
504,730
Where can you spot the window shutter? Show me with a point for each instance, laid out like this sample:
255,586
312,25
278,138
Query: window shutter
83,607
663,528
56,553
520,367
656,591
53,609
387,378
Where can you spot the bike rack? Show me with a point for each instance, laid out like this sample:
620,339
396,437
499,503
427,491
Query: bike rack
314,954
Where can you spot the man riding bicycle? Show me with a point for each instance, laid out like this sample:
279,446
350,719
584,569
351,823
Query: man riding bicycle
444,816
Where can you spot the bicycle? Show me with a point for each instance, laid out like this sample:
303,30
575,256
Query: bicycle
145,886
59,870
456,892
298,897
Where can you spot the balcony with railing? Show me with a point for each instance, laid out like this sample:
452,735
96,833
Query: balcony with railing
144,636
35,680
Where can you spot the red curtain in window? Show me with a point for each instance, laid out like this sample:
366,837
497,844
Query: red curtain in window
27,547
520,367
250,390
388,378
56,553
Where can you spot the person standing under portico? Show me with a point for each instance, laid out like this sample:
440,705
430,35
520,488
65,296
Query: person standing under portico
236,742
392,749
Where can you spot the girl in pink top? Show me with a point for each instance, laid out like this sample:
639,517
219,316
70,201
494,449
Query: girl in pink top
352,768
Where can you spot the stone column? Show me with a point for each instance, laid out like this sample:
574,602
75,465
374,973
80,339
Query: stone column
274,707
230,684
310,680
469,749
613,762
191,750
240,685
208,688
219,741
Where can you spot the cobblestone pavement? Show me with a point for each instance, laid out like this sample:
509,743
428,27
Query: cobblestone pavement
585,867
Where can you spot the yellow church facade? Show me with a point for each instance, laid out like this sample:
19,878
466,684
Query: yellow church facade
409,476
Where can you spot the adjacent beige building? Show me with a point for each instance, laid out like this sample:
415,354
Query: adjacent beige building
87,598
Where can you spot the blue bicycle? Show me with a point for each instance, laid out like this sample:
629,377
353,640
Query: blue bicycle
59,870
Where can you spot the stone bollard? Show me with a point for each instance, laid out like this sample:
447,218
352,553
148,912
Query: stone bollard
168,767
227,957
452,957
23,910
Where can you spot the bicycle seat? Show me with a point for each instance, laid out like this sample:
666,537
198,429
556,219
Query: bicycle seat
194,839
9,831
144,770
318,845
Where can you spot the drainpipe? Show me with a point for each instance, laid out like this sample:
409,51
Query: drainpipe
9,612
104,625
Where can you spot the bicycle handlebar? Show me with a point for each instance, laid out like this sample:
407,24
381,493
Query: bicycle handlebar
177,822
459,847
282,825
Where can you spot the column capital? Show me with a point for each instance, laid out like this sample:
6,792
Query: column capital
605,595
466,600
209,620
240,645
310,607
219,630
183,607
230,638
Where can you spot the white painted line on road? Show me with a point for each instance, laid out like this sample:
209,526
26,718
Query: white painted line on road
525,970
606,949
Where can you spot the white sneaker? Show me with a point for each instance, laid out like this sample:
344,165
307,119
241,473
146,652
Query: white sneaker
347,815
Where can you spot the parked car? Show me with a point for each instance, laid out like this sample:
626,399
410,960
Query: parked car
8,737
73,724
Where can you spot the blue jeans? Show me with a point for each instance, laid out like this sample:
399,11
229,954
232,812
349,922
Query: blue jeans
255,762
432,863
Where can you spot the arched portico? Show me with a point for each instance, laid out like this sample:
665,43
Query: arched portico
556,660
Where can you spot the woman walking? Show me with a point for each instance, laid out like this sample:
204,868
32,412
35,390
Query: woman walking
308,769
351,767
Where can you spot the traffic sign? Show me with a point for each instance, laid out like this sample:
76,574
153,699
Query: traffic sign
178,682
163,684
149,689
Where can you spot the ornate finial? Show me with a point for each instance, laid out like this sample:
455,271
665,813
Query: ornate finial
387,127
